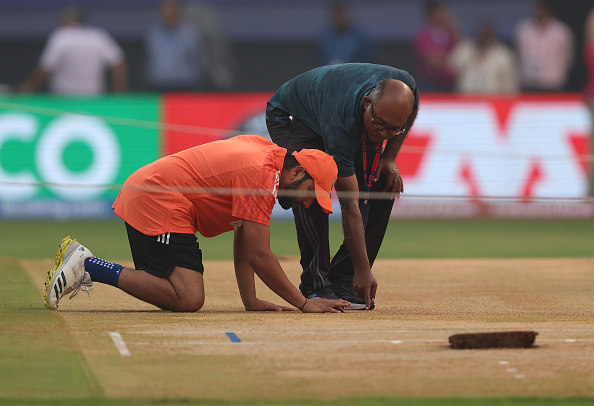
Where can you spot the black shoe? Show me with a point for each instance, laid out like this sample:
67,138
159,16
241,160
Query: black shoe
323,293
345,291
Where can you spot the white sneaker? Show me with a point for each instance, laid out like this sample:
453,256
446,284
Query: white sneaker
68,273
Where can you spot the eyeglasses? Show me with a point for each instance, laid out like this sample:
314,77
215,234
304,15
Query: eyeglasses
391,130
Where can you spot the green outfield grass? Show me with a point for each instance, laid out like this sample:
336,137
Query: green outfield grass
404,239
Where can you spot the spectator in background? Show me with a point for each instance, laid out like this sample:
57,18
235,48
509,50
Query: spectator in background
485,64
174,52
75,59
589,90
342,42
432,45
545,47
217,55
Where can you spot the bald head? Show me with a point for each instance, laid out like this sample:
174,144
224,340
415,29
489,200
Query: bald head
395,98
387,109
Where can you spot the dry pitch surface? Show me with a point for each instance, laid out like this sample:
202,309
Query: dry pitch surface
400,349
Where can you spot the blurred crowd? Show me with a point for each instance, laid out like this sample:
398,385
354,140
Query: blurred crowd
186,49
539,60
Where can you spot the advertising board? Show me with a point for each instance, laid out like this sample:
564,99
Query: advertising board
68,157
521,156
465,156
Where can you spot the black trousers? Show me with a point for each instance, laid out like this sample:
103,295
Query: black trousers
312,223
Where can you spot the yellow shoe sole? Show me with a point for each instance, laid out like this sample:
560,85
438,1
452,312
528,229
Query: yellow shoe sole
59,259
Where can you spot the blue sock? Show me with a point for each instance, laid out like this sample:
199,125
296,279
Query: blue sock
103,271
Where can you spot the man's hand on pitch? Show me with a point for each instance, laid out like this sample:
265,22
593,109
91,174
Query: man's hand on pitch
325,306
394,182
263,306
365,286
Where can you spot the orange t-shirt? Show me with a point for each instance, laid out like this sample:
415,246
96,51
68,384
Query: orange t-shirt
209,188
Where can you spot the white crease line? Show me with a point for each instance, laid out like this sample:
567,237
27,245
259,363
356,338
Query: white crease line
324,333
319,342
119,343
302,332
309,342
295,332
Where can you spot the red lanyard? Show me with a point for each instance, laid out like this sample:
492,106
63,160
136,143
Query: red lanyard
369,178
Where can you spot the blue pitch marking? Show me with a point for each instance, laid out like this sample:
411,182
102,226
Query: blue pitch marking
233,337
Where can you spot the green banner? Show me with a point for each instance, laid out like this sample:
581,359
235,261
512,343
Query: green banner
62,154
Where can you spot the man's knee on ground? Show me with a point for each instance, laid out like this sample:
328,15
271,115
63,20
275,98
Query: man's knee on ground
189,303
189,289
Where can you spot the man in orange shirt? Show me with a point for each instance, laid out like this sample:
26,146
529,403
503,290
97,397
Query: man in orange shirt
211,188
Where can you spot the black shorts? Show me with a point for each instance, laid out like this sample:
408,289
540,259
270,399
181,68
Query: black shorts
294,135
160,254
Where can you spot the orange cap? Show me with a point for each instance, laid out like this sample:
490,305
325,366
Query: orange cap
323,170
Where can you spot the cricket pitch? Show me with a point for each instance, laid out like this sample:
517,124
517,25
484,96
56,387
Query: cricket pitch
401,348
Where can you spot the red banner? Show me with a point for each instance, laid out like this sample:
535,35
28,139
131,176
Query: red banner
472,148
193,119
